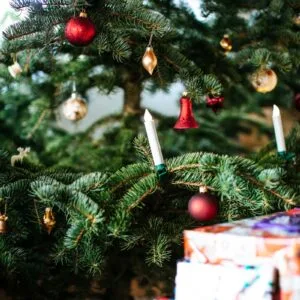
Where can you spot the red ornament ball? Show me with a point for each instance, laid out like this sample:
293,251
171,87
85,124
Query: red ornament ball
215,103
203,207
80,31
297,101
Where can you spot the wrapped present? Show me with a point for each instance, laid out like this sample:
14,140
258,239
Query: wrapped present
197,281
274,239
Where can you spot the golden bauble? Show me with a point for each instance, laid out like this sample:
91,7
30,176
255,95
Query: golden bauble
296,19
75,108
49,219
3,224
264,80
226,43
149,60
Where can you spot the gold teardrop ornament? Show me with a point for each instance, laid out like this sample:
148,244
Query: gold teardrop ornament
149,60
49,219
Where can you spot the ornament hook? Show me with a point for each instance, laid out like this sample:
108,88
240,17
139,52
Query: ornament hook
203,189
74,90
14,57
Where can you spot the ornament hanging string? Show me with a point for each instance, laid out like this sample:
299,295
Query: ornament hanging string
150,39
14,57
74,90
74,6
37,214
38,123
5,207
28,58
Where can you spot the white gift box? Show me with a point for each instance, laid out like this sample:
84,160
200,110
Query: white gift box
197,281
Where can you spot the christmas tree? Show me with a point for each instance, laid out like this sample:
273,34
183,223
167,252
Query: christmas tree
110,226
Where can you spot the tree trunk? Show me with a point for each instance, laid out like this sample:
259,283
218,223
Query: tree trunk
132,95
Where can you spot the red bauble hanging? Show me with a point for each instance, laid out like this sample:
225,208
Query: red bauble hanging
203,206
215,103
297,101
186,118
80,31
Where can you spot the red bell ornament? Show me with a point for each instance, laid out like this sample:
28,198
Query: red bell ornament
186,118
80,31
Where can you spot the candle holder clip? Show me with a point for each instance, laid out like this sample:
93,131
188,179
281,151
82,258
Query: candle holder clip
162,172
288,156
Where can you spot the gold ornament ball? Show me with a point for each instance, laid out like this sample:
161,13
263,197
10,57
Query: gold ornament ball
226,43
149,60
296,20
264,80
3,224
49,219
75,108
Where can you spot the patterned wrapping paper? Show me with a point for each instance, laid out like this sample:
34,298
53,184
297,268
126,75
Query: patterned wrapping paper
273,240
197,281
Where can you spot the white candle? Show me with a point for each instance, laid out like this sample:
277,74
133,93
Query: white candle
153,139
277,123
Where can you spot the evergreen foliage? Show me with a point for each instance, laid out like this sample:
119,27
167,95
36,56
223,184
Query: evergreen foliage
43,30
114,218
184,45
101,215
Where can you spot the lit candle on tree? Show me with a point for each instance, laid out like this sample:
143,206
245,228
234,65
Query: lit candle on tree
277,123
154,145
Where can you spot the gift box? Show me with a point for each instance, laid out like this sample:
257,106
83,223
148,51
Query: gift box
273,239
197,281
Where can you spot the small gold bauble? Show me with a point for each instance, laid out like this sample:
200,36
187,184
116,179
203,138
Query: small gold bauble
296,20
3,224
49,219
149,60
75,108
226,43
264,80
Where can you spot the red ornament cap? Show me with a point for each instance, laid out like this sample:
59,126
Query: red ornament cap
186,118
80,31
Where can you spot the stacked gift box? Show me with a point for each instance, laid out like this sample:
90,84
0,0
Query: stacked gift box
251,259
